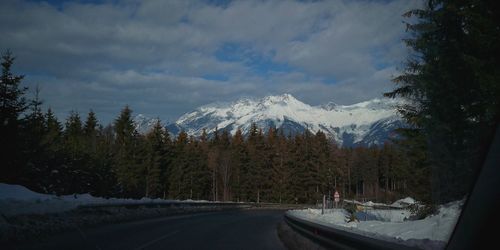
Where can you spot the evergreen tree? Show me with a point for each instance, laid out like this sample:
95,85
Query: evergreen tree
213,161
224,165
321,155
203,174
152,169
239,161
280,177
298,169
257,174
90,132
54,155
127,160
200,176
73,132
75,172
12,105
104,162
33,131
155,162
412,151
310,173
53,133
451,82
178,179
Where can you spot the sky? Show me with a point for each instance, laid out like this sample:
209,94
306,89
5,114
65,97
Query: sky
165,58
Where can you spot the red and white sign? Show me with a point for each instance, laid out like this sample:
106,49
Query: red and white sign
336,196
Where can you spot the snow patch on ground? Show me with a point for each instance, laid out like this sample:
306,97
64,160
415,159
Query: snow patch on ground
391,223
404,202
26,215
17,200
388,215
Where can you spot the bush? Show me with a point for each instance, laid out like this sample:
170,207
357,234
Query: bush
421,211
351,208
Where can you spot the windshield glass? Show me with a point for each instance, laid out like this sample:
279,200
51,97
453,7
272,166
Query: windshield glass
368,117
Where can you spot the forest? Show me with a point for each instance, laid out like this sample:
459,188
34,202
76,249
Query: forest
83,156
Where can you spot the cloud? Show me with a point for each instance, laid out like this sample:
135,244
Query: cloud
166,57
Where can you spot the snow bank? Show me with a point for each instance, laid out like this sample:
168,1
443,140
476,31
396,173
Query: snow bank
436,227
404,202
16,200
388,215
332,217
391,223
17,192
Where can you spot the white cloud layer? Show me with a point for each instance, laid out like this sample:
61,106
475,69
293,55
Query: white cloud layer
155,55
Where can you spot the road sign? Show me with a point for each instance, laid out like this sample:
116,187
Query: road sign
336,196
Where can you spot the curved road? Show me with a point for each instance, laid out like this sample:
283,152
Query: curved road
237,229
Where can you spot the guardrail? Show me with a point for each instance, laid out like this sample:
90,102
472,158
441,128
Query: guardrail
164,204
181,204
336,238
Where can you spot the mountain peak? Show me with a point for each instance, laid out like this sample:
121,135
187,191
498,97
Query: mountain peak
286,97
329,106
144,123
279,99
346,124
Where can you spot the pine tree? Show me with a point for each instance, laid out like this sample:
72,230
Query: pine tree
90,132
451,82
204,173
73,132
334,171
33,130
298,170
200,176
346,168
104,162
53,135
412,151
321,155
281,176
152,167
309,169
213,163
239,158
178,181
155,160
127,160
224,165
12,105
257,174
54,156
76,173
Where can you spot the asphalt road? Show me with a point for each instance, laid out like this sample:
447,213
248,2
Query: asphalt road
237,229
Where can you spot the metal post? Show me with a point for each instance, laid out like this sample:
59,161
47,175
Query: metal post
323,207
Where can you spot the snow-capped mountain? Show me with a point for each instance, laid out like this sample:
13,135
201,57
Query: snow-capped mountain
144,124
364,123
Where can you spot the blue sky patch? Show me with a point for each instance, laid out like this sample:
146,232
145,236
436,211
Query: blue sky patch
258,63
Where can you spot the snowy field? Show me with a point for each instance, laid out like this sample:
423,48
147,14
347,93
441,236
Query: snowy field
18,200
393,223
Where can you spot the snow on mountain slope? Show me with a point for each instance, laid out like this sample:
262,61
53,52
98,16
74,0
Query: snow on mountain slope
144,124
367,123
